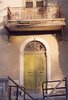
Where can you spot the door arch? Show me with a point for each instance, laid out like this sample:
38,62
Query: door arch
22,57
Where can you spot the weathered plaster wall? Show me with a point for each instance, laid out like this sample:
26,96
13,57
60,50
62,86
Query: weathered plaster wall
10,55
63,45
9,59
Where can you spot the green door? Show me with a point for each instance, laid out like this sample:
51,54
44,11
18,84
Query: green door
34,71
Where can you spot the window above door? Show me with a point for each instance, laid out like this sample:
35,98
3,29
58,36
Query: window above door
29,4
39,3
34,3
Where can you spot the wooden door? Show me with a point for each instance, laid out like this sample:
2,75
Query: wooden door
34,70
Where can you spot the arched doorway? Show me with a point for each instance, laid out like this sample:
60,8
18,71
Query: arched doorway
22,57
35,63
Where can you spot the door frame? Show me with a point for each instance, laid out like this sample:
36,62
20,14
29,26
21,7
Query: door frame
22,57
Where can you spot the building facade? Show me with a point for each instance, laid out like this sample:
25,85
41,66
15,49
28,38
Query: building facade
31,55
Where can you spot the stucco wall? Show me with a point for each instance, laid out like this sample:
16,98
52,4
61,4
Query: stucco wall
9,59
63,45
10,55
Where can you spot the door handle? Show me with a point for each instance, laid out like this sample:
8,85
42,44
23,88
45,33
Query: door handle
40,72
29,72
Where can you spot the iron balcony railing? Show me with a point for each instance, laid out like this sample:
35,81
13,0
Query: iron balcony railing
33,19
19,13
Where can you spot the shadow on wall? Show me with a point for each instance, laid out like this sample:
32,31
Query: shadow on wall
63,55
4,34
63,39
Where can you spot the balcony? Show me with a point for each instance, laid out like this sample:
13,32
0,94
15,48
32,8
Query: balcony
34,19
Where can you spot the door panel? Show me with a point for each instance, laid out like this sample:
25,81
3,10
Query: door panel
40,66
34,71
29,81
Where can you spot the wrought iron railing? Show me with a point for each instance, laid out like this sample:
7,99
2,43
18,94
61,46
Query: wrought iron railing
19,13
59,90
17,91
